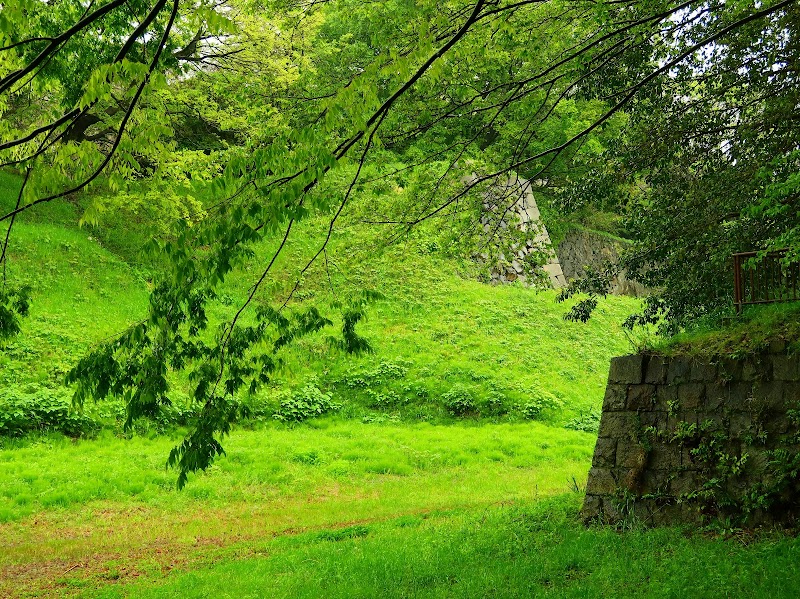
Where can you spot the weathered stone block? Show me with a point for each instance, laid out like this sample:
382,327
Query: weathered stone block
691,395
740,395
729,370
678,371
702,371
681,422
627,369
615,397
786,368
778,346
657,420
631,455
685,482
757,368
641,397
768,396
620,425
780,425
666,397
665,456
655,482
656,372
629,479
642,511
592,507
600,482
716,397
611,511
605,453
791,394
740,424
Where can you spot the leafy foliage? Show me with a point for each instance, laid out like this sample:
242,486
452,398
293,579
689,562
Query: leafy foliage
14,304
308,402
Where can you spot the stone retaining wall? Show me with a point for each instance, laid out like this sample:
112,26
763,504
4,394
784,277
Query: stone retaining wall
687,440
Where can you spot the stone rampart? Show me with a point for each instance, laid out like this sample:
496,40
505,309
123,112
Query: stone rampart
689,440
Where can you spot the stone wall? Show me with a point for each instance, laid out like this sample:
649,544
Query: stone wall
510,203
581,248
688,440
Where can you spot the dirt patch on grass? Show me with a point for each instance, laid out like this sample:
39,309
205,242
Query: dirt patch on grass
51,554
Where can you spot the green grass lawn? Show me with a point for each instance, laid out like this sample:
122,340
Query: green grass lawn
336,508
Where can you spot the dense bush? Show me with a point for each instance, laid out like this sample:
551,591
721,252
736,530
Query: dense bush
459,400
305,403
38,409
588,423
537,402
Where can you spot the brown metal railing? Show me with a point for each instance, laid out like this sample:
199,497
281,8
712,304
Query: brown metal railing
767,281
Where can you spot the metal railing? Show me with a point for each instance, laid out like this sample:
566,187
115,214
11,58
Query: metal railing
767,281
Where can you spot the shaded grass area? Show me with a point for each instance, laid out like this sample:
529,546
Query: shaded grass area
522,550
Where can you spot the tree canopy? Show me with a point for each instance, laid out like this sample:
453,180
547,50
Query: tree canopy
681,116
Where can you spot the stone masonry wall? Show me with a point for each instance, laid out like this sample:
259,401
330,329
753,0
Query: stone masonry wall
687,440
582,248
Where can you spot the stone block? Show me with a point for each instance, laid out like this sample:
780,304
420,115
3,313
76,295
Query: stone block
629,479
691,395
600,482
780,425
740,396
605,453
777,346
757,368
592,507
642,511
657,420
620,425
786,368
729,370
611,511
664,456
678,370
641,397
768,397
685,482
656,372
702,371
655,481
791,394
688,461
615,397
631,455
741,423
716,397
666,396
681,421
627,369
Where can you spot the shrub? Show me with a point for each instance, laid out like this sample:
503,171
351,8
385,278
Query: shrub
538,401
39,409
588,423
306,403
495,404
459,400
